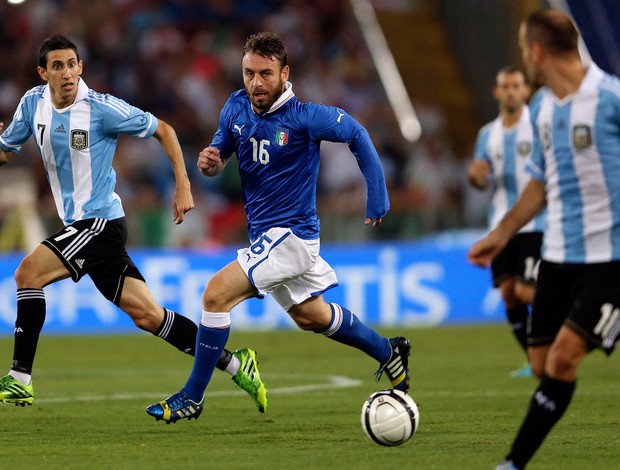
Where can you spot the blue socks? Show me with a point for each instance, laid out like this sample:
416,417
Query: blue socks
347,329
210,343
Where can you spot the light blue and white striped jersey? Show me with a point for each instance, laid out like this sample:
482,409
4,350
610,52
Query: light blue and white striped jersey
578,159
77,146
507,151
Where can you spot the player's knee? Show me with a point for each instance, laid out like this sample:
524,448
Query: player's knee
25,274
562,365
215,298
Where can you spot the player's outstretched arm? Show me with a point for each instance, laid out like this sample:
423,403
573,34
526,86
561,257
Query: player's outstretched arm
183,200
210,163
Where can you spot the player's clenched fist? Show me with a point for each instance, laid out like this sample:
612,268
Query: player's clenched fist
209,161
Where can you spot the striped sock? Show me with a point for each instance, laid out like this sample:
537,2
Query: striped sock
28,326
347,329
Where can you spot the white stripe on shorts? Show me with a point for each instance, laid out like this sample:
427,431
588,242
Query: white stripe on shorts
83,238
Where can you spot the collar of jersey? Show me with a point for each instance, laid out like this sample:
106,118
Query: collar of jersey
82,93
284,97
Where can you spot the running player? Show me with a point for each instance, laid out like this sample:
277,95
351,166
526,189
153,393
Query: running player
277,139
76,131
502,148
575,170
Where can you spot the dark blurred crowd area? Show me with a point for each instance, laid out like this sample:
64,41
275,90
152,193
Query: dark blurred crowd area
181,60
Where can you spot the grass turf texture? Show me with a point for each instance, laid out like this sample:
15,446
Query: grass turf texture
91,393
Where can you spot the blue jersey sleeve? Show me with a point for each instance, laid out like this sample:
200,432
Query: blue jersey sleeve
482,141
20,129
223,139
334,125
120,117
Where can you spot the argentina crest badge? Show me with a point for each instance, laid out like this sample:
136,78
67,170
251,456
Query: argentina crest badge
582,136
524,148
281,136
79,139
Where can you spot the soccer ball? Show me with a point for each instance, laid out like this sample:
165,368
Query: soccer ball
390,417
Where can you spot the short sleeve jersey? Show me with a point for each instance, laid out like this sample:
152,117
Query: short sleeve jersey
578,158
506,151
77,146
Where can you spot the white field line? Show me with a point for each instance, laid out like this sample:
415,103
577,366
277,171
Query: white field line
332,382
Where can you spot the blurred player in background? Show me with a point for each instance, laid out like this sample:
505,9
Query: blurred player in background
502,148
76,131
575,170
277,140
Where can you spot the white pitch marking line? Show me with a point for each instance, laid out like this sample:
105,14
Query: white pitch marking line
334,382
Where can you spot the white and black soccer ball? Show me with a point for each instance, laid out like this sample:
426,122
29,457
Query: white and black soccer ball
390,417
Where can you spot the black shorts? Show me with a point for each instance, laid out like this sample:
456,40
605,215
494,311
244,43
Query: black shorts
519,259
584,297
96,247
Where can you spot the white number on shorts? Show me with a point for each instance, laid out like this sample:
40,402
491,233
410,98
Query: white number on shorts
609,317
259,245
531,268
69,231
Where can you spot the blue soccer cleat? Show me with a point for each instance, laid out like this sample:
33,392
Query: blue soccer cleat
176,407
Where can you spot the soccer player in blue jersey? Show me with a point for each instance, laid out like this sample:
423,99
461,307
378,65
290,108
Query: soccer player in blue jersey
502,148
277,140
76,131
575,170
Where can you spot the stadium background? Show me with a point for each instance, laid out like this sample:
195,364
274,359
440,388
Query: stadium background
180,60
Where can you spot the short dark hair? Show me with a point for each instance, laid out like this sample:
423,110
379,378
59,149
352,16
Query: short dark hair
268,45
54,43
554,30
510,70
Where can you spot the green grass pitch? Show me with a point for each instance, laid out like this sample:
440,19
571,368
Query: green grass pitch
91,393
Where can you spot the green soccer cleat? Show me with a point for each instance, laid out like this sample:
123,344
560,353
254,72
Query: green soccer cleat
397,366
13,391
247,378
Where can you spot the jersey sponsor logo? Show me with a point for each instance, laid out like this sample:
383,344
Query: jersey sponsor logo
79,139
524,148
60,129
281,136
79,262
238,128
339,116
582,136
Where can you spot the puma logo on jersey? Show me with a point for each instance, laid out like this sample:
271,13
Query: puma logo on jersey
339,116
237,127
79,262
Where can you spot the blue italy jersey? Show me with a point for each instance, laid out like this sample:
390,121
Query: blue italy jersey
506,151
578,159
278,154
77,146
